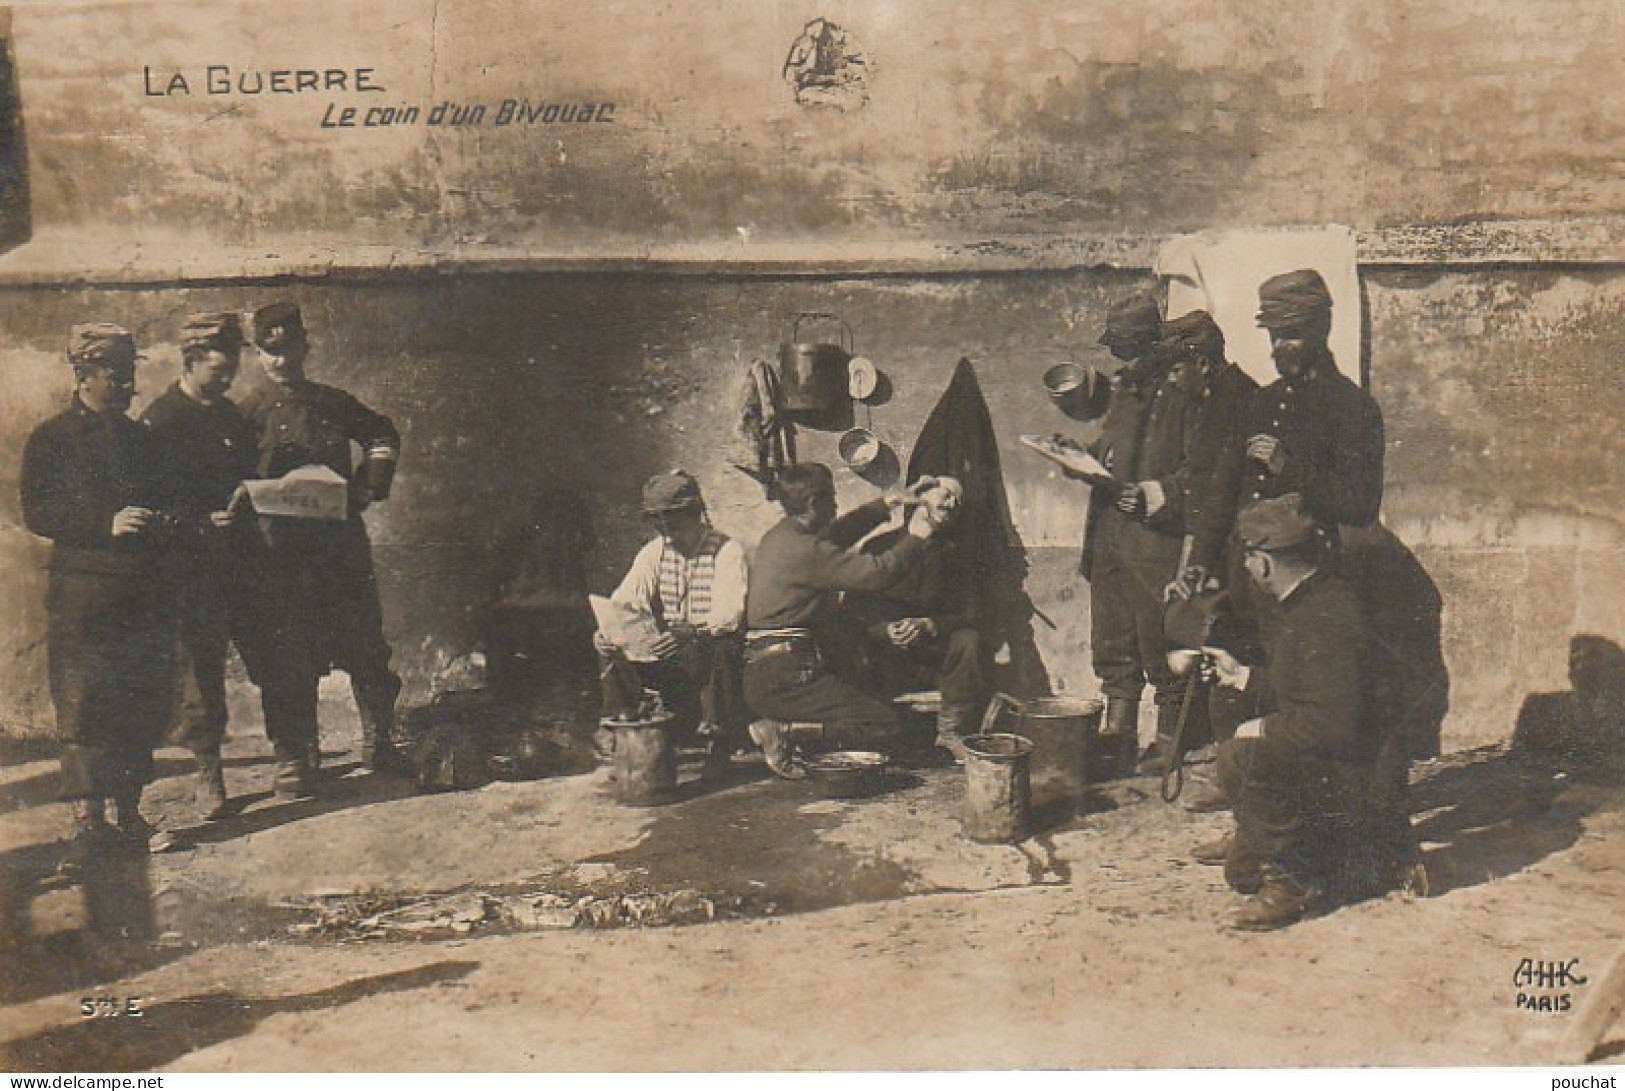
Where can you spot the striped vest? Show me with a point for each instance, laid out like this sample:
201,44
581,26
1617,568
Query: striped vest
685,582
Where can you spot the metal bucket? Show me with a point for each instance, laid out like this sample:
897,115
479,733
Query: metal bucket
1062,731
645,762
998,788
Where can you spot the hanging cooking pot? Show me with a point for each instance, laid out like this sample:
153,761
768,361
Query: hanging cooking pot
812,374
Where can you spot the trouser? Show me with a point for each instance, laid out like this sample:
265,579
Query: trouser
1324,823
698,684
316,607
951,663
108,643
1125,604
787,681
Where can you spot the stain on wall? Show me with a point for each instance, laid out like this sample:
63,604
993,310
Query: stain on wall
1017,117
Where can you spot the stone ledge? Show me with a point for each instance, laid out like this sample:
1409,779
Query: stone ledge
83,259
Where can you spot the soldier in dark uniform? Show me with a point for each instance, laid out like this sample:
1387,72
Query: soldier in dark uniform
206,449
921,632
1217,392
1136,529
1311,432
317,604
1299,773
89,484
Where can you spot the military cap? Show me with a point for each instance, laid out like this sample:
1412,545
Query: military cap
277,324
1276,523
671,492
1137,318
1294,299
101,344
1196,326
220,331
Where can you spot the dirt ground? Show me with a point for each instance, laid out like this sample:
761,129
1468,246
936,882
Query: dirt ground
380,929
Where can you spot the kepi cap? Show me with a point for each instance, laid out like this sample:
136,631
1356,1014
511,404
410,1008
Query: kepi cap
277,325
664,494
1293,299
101,344
220,331
1137,318
1276,523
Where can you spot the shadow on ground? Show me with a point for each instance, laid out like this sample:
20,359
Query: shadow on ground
175,1028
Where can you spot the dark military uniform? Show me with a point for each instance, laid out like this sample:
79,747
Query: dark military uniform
108,633
204,453
949,661
316,605
1129,559
1330,432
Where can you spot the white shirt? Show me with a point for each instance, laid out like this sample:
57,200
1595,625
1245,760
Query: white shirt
641,587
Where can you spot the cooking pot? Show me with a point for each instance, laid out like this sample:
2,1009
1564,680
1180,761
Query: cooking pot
812,374
848,774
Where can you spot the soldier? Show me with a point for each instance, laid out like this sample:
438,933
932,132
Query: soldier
317,606
1311,432
88,483
1136,528
691,579
206,449
1217,392
801,564
922,631
1300,772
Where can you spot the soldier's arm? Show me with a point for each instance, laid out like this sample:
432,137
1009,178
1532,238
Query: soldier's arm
1350,490
54,504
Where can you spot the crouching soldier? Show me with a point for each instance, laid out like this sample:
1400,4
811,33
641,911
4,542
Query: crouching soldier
690,579
89,484
1302,773
801,565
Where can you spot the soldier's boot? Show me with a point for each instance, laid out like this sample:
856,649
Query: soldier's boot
1154,758
88,833
1206,797
293,779
951,721
1280,901
1119,739
209,793
1213,853
379,754
773,736
140,834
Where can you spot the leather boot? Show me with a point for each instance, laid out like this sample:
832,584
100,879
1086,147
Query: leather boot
1280,901
210,790
140,834
1213,853
951,721
376,705
88,833
773,736
1119,740
293,775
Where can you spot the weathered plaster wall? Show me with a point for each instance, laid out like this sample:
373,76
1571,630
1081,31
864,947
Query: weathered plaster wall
1499,391
1021,117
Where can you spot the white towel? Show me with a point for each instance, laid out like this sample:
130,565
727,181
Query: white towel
1220,271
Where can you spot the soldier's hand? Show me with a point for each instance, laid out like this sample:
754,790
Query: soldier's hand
1222,665
665,645
1131,501
920,524
1186,584
223,520
1267,449
131,520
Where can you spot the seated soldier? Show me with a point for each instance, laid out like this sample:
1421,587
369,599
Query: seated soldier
920,632
1303,773
691,580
